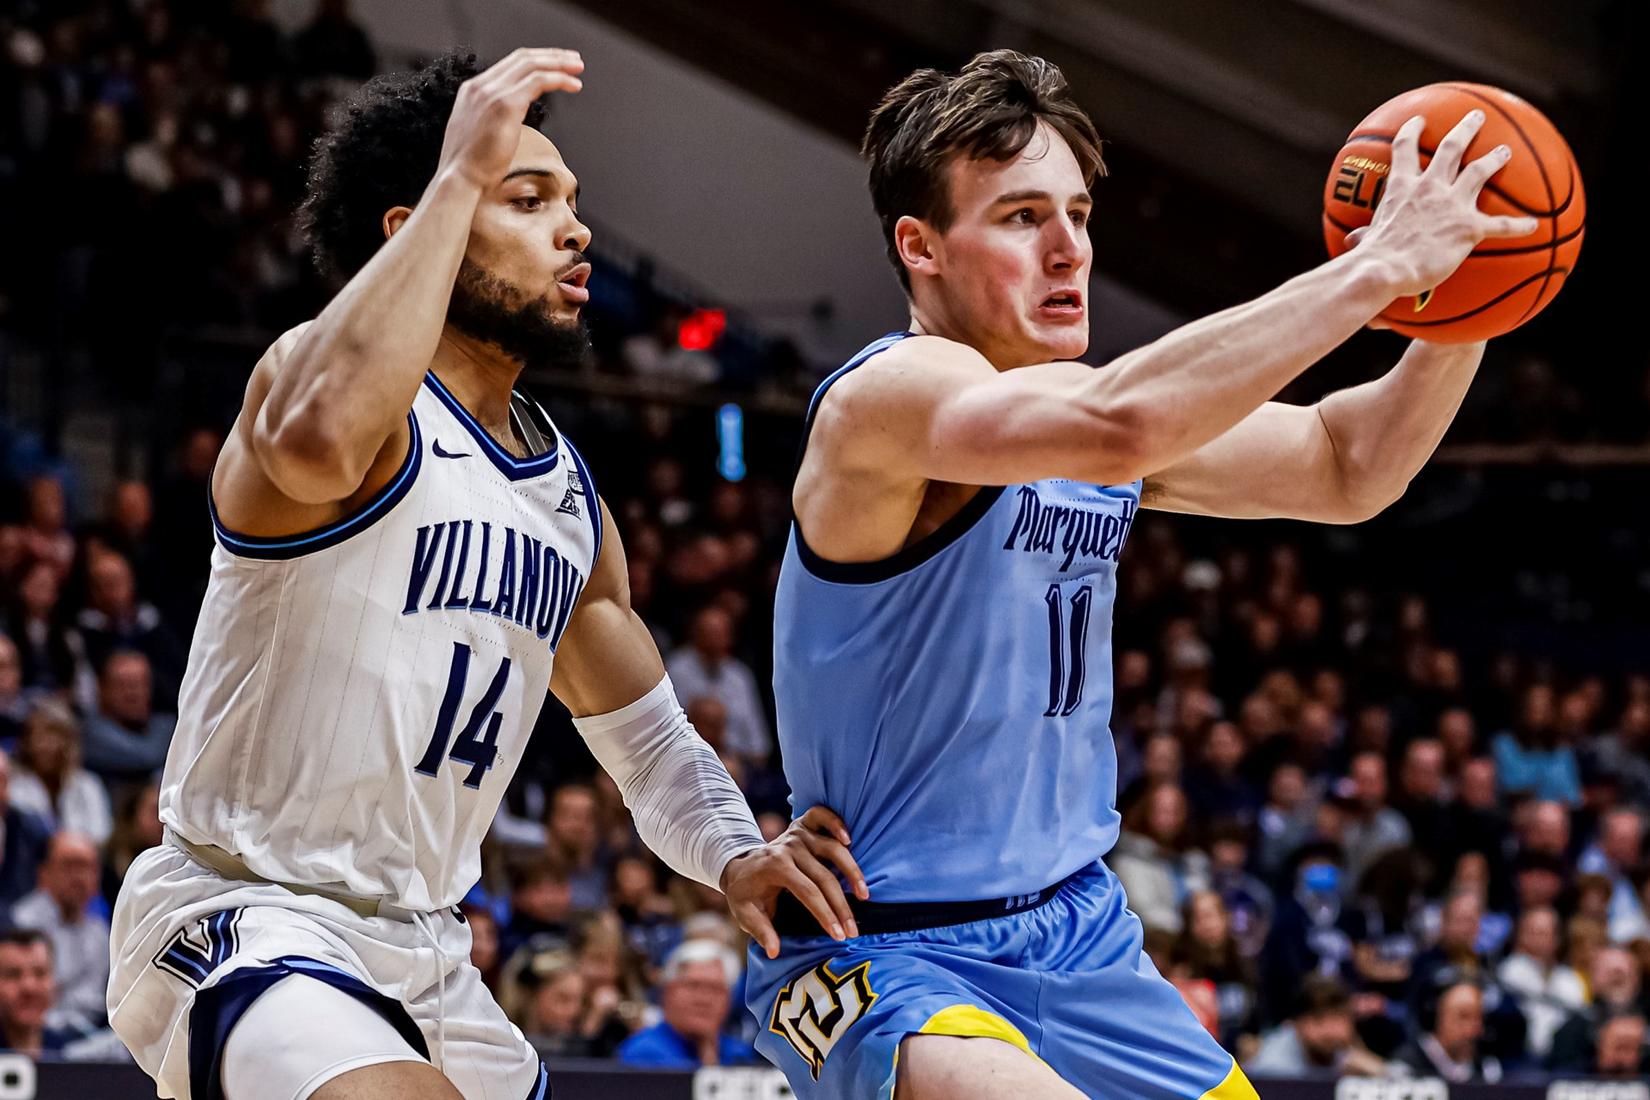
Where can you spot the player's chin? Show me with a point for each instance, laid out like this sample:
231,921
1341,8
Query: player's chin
1063,337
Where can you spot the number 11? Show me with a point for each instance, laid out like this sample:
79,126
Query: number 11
1065,688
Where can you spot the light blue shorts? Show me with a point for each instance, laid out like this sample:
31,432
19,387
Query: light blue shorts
1067,982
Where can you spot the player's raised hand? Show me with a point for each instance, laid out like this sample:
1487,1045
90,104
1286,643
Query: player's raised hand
1428,219
754,881
487,116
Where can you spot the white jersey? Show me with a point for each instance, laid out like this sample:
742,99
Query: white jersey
358,697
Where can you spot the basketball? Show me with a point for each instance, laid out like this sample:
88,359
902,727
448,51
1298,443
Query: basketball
1505,281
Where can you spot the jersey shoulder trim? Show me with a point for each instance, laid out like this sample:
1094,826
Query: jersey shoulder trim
882,343
516,469
285,547
588,483
871,572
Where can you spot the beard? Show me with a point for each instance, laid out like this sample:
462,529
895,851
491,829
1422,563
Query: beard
494,311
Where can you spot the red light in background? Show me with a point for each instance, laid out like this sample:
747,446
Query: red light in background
701,329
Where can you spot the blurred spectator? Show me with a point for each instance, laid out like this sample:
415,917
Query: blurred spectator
1457,958
137,829
1623,755
1284,823
59,907
1308,935
574,841
1423,798
1617,986
1621,1050
30,1021
695,999
23,838
1448,1045
553,1007
1247,900
1616,855
1546,989
1318,1040
115,619
540,905
46,537
1373,827
48,781
126,739
14,705
1153,860
52,653
1215,784
648,917
1208,951
484,943
1531,759
657,353
706,667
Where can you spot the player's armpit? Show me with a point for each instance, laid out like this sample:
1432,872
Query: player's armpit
1279,462
607,658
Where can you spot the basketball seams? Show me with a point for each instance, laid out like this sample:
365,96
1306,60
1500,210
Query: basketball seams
1546,183
1495,301
1386,139
1555,269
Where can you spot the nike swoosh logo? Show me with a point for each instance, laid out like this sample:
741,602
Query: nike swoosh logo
435,445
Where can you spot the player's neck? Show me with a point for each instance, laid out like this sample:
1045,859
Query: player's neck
480,376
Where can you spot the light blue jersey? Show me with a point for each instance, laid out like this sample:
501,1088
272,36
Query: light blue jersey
952,702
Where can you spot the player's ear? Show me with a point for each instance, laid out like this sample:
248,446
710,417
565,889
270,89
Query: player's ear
914,240
394,218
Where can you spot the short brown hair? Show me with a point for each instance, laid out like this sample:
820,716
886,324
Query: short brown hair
990,108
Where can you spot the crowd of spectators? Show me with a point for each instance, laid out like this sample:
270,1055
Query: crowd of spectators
1356,846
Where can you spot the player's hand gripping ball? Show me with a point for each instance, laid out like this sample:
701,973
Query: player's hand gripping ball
1505,281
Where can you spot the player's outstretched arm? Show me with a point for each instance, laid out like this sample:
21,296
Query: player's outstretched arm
930,409
685,805
334,395
1340,461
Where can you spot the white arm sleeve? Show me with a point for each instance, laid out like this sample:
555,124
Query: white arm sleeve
686,805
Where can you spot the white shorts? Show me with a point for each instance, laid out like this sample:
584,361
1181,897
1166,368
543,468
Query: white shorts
192,951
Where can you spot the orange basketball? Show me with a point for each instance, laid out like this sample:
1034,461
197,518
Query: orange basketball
1505,281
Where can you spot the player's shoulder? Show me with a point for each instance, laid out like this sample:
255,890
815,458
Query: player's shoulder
893,372
921,351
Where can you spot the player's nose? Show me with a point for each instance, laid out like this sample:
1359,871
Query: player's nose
577,237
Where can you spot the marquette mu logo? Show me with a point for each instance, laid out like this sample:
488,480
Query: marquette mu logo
818,1008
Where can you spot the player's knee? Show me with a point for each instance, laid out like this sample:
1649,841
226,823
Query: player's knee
949,1067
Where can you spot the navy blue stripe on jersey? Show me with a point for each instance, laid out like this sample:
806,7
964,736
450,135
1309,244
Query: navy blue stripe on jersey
590,495
516,469
218,1008
293,546
882,343
541,1088
911,556
870,572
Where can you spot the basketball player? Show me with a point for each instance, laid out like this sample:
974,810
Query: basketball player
407,556
942,651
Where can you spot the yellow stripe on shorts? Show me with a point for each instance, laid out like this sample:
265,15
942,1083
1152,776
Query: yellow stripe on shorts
1236,1086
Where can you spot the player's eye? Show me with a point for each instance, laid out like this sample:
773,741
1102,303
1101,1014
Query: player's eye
1079,218
1024,216
527,202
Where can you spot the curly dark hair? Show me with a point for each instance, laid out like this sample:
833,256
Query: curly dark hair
381,154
